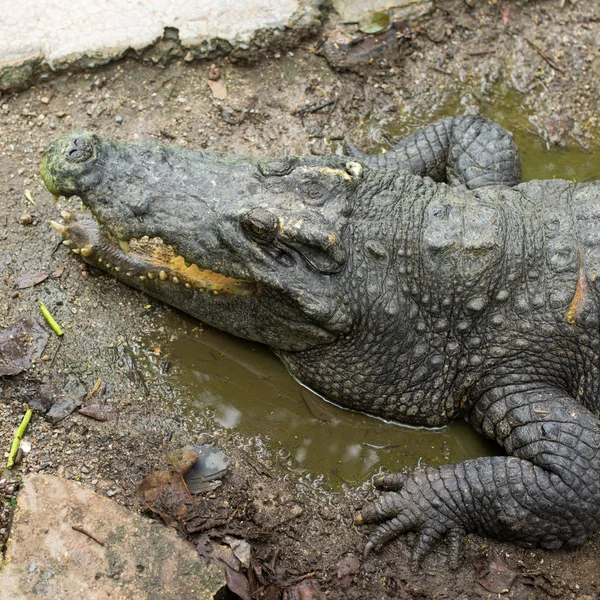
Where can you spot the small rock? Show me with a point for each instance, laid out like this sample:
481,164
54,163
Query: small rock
26,219
189,57
45,100
118,119
214,72
336,134
241,549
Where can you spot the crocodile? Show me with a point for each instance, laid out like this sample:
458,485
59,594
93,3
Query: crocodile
420,285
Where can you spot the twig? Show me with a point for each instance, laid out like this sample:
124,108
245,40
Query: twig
298,579
481,52
551,62
17,440
313,109
55,326
56,352
90,535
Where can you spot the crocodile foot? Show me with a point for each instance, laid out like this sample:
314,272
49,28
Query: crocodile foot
411,504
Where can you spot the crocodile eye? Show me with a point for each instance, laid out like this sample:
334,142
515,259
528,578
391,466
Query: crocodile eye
261,226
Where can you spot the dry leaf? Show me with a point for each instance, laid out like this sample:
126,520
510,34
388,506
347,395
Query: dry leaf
218,88
29,280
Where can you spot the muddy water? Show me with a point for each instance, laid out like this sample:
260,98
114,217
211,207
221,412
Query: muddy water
243,387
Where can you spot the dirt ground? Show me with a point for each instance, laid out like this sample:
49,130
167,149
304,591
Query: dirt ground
541,56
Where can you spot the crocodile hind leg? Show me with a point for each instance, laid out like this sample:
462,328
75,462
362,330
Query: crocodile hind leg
467,150
546,493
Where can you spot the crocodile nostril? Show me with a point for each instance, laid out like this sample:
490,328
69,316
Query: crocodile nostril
80,150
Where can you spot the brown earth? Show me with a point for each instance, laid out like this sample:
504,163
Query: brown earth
541,57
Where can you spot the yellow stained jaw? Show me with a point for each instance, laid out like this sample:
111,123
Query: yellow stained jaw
165,263
144,259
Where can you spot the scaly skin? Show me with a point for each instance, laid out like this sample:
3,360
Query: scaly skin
389,293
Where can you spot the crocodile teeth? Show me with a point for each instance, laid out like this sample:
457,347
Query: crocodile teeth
162,275
87,250
60,228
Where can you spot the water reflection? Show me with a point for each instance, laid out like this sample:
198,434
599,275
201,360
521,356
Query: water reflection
245,387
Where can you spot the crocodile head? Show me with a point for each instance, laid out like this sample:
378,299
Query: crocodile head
252,246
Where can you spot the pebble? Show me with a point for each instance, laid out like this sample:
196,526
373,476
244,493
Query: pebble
26,219
119,119
45,100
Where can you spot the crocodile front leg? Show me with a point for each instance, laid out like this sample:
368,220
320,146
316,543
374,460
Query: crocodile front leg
545,494
467,150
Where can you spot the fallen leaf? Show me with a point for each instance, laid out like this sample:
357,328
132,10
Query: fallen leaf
20,344
183,459
237,583
498,578
305,590
218,88
29,280
375,23
165,491
94,411
68,400
58,271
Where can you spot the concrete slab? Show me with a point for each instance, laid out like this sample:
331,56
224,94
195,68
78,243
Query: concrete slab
42,35
70,543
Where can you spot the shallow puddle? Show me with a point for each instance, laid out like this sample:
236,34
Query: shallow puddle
244,387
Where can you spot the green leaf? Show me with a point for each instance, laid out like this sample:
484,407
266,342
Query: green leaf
375,23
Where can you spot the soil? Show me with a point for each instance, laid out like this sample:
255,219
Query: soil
538,59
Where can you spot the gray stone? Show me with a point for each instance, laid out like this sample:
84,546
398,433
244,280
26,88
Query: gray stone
139,559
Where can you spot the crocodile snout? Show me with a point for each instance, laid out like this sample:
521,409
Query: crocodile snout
79,149
67,163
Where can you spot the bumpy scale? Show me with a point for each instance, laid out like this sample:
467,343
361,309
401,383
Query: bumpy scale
420,285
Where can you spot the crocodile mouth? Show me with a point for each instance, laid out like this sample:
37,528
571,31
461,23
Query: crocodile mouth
146,263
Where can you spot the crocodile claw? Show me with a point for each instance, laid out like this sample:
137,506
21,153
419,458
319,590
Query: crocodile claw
407,509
